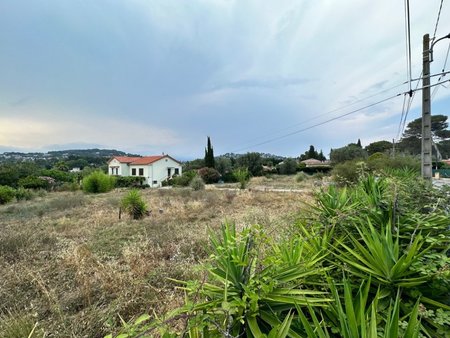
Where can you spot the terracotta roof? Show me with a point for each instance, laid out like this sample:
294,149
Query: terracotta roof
138,160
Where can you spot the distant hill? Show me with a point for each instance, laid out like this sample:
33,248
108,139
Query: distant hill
90,153
93,154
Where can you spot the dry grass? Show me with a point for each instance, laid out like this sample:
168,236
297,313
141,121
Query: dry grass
68,263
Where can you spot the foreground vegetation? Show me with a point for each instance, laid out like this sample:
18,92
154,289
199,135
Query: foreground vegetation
69,264
366,261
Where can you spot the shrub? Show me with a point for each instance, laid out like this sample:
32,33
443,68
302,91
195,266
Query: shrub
288,167
301,176
68,186
183,180
23,194
33,182
209,175
378,162
58,175
7,194
242,175
134,205
197,183
347,172
98,182
129,181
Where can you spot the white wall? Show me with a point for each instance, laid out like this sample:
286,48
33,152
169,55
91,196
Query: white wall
157,171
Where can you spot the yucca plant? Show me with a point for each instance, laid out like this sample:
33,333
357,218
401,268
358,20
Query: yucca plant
334,204
245,297
378,254
360,316
134,205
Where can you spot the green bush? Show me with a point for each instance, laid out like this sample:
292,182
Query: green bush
288,167
197,183
129,181
347,172
33,182
68,186
24,194
134,205
379,162
58,175
7,194
183,180
242,175
209,175
98,182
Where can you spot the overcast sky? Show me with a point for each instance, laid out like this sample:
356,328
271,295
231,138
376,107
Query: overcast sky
152,76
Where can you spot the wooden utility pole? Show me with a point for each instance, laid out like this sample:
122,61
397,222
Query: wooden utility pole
426,112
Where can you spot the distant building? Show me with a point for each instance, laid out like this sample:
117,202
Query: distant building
155,169
313,163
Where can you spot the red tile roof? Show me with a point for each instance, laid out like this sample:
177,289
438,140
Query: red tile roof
138,160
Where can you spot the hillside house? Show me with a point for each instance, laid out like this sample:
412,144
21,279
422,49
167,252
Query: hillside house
155,169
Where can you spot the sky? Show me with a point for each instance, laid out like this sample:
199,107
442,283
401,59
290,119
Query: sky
153,76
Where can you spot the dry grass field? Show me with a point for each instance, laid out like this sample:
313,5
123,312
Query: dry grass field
69,264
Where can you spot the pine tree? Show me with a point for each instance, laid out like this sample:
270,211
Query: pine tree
209,155
359,143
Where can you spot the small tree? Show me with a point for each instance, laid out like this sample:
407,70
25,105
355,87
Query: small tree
209,175
134,205
242,175
288,167
347,153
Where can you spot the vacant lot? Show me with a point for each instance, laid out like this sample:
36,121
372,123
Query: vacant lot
68,263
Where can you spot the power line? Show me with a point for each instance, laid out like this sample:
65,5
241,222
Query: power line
404,116
319,124
435,90
327,113
437,21
336,118
408,43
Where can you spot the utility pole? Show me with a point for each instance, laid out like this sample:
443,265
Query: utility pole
393,147
426,112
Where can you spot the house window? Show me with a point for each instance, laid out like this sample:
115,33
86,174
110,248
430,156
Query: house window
155,182
133,172
141,171
177,171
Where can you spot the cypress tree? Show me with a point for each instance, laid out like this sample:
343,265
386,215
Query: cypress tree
209,155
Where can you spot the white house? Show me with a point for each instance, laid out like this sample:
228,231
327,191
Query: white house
155,169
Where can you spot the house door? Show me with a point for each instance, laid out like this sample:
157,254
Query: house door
168,172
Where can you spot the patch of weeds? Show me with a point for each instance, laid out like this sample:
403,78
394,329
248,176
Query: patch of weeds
18,325
68,202
11,244
110,241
